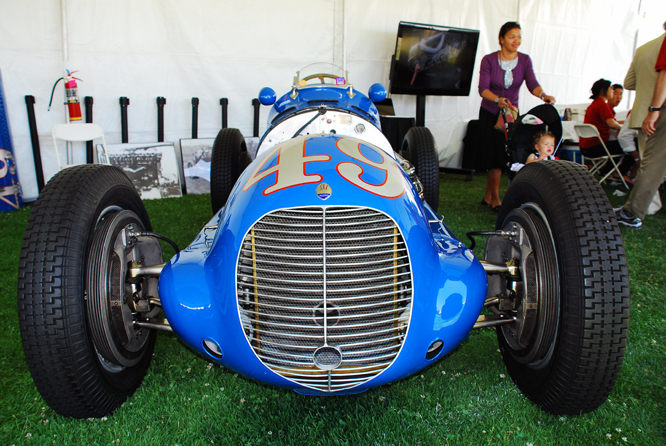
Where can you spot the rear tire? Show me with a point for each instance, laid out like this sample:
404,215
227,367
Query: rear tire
572,358
419,148
230,158
70,372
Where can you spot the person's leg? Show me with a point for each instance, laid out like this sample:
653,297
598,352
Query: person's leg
651,173
627,138
492,187
626,163
593,152
614,148
637,164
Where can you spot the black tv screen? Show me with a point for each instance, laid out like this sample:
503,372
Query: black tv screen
433,60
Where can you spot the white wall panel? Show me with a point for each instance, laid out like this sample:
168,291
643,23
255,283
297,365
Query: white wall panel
212,49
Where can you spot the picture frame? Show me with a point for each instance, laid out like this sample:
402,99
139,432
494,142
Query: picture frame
196,157
152,167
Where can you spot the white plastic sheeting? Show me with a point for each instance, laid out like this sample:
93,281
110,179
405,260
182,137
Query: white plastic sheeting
212,49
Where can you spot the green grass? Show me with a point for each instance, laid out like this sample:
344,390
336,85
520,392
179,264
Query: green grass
466,398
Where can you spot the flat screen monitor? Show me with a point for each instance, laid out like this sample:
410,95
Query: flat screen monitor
433,60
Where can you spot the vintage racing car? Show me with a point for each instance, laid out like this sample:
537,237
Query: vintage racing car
325,268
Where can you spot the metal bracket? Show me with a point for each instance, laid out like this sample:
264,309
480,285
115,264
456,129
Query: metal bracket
493,320
137,270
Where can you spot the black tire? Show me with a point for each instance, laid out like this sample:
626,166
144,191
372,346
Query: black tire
244,160
419,148
53,295
228,162
572,360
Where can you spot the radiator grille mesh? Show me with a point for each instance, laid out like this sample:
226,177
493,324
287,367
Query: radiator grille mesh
324,294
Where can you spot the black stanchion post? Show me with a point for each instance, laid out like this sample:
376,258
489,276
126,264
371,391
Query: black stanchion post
34,138
124,102
161,102
256,104
195,118
224,102
88,101
420,110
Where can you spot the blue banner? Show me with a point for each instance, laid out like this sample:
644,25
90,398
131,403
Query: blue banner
10,189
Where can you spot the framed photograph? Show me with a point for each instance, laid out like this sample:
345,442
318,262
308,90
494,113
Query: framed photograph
152,167
252,144
196,155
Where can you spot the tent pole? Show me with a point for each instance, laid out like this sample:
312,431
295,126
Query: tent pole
63,23
633,53
344,37
518,12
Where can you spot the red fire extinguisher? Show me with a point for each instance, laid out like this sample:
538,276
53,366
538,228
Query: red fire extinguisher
71,95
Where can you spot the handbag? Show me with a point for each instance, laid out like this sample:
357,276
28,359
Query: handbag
510,115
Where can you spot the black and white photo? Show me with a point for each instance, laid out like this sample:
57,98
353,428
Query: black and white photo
152,167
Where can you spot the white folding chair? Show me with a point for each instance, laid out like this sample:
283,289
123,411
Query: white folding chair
77,132
590,131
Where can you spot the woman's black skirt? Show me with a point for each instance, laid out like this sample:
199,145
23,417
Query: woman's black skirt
491,152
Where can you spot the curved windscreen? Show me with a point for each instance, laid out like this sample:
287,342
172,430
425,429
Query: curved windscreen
320,73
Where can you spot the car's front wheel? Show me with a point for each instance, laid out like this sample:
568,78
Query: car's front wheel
570,304
77,308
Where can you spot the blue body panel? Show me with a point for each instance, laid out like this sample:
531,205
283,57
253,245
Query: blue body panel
327,95
198,286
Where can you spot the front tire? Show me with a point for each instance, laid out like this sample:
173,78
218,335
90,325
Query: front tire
419,148
566,348
75,375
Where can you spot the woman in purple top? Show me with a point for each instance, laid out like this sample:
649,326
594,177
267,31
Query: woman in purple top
502,74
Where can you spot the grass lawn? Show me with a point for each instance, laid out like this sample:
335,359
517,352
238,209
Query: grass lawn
466,398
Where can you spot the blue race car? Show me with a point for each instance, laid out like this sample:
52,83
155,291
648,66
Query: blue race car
324,269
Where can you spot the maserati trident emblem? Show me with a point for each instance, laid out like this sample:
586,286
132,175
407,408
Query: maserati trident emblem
324,191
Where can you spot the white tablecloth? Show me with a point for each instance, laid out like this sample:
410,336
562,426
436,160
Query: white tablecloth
568,131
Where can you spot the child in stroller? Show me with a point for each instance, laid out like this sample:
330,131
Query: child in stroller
520,142
544,146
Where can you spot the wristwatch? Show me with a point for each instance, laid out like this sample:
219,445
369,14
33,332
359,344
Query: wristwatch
651,108
497,99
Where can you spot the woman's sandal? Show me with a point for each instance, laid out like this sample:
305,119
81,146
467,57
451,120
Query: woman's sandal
494,209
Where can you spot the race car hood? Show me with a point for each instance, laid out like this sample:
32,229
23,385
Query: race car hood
437,293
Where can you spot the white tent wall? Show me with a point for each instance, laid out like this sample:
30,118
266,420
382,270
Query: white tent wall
212,49
372,27
146,49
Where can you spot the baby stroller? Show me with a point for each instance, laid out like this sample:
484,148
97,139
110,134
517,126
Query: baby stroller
519,139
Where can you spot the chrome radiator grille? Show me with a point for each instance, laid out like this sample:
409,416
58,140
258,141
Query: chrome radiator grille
324,294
